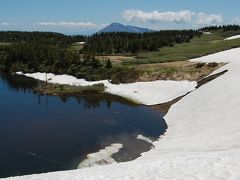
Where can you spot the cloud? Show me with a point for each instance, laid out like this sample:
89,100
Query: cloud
83,25
208,19
8,24
155,16
236,20
179,17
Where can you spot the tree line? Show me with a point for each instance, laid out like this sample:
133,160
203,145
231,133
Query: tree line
52,52
104,43
223,28
123,42
48,38
35,57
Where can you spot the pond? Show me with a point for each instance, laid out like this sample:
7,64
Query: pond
46,133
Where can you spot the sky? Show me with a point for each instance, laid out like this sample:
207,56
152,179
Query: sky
87,16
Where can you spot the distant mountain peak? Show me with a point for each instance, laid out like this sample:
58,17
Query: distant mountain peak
116,23
118,27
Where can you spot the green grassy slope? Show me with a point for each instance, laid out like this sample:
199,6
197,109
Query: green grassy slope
199,46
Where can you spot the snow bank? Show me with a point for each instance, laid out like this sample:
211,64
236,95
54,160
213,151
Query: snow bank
101,157
207,33
232,37
146,139
148,93
202,140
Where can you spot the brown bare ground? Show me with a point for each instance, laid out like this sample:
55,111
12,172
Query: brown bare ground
168,64
180,70
116,58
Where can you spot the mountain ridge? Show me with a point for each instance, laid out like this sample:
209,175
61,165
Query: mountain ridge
118,27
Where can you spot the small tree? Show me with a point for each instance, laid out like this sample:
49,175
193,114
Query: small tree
108,64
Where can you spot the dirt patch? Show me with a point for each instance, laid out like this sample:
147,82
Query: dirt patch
178,71
164,107
168,64
117,58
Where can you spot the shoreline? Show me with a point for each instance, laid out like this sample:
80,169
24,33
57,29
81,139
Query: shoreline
163,89
100,89
139,92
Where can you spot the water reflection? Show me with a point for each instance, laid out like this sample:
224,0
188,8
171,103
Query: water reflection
24,84
18,83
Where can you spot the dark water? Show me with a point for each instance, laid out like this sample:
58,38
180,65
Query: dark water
42,134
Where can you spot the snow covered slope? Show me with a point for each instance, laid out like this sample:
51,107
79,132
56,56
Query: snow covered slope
201,143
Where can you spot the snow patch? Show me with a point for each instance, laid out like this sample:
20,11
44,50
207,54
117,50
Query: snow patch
101,157
207,33
146,139
148,93
80,43
232,37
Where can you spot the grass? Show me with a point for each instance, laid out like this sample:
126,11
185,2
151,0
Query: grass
66,90
76,47
197,47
